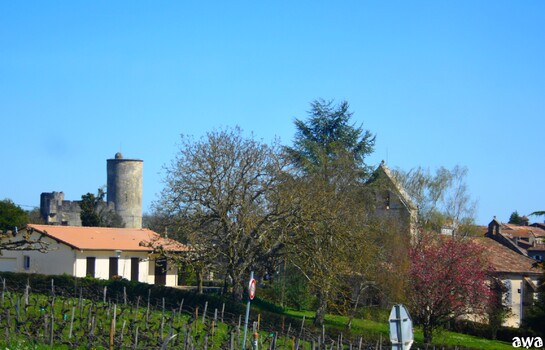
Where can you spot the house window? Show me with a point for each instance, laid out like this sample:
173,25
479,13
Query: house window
90,270
26,262
113,266
135,270
161,271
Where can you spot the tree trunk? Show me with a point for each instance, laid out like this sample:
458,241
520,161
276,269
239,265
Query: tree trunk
200,281
428,333
238,289
238,292
321,311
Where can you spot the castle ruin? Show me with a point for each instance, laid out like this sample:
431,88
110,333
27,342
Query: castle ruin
124,196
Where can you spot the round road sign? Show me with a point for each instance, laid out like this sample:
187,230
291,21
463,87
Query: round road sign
251,289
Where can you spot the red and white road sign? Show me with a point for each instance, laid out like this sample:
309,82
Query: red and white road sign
251,289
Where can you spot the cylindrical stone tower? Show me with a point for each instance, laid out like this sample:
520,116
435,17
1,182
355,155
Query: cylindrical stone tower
124,190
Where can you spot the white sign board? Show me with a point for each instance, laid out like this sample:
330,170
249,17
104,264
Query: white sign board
401,328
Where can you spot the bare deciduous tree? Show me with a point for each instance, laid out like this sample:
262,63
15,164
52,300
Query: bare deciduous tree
22,240
224,191
442,198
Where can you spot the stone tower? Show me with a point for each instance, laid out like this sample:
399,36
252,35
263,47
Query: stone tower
124,190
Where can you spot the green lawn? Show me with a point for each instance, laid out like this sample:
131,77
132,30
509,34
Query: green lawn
371,329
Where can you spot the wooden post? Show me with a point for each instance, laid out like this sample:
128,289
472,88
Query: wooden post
89,317
136,338
181,307
196,318
147,310
238,329
80,303
215,321
137,306
171,323
275,340
162,323
17,312
52,328
123,330
45,326
71,322
300,333
104,293
8,324
204,313
27,292
323,333
112,328
163,306
286,336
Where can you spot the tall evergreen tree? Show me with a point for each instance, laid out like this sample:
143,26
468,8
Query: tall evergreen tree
329,145
96,213
329,155
515,218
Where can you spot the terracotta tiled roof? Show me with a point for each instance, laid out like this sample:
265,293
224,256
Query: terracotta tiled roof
504,259
104,238
482,229
522,231
537,247
538,224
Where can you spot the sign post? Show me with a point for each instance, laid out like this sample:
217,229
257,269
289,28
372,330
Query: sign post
251,295
401,328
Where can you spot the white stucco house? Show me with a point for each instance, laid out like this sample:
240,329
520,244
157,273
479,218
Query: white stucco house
99,252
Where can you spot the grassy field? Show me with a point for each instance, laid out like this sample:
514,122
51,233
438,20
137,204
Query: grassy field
374,330
26,322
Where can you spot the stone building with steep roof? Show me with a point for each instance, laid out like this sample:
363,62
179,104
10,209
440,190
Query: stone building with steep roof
392,203
520,276
527,240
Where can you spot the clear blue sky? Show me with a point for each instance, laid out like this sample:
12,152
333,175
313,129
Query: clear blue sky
439,82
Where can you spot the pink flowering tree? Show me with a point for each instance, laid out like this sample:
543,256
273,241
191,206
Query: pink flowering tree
448,278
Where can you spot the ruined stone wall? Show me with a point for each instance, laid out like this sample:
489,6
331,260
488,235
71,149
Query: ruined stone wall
124,196
57,211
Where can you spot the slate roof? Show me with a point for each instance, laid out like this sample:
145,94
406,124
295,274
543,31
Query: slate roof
104,238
